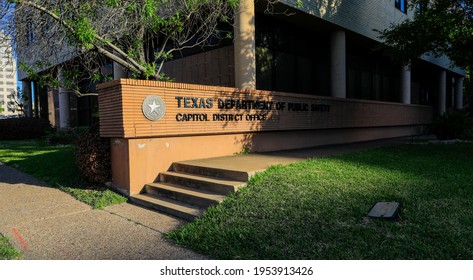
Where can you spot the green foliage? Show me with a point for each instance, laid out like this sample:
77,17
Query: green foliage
84,33
149,9
451,125
55,165
135,48
444,28
244,151
7,251
44,79
317,209
64,136
112,3
51,164
98,198
150,70
23,128
131,7
132,33
163,56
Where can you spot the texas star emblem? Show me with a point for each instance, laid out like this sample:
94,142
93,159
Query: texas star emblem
153,107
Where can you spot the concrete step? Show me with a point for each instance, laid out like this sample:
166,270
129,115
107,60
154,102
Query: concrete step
201,198
213,184
172,207
196,168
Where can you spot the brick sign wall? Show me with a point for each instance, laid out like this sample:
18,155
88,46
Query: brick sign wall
186,109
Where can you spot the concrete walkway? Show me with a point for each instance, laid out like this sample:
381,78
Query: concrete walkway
45,223
252,163
48,224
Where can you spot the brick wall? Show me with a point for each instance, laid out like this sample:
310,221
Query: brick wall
213,67
195,126
200,110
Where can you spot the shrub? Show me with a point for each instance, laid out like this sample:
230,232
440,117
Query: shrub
64,136
93,156
23,128
451,125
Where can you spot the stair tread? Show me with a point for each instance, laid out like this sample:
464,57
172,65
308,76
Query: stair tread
204,178
231,173
170,203
189,191
208,167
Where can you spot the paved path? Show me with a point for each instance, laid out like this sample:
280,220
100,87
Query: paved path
45,223
252,163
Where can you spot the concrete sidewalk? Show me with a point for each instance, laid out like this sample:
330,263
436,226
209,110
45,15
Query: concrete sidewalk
45,223
252,163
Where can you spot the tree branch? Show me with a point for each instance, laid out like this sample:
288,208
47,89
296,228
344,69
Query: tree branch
128,62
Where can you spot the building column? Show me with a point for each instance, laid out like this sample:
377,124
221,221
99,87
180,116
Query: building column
442,92
405,85
36,100
338,65
64,107
118,71
28,105
459,93
245,45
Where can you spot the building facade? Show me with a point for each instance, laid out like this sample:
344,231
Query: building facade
324,48
8,106
308,73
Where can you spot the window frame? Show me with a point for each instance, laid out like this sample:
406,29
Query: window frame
401,5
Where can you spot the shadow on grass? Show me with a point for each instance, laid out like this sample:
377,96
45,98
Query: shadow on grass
438,170
54,165
317,209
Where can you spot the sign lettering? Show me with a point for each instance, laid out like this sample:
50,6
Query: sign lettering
236,106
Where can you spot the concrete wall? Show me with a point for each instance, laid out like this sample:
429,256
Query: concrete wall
363,17
138,161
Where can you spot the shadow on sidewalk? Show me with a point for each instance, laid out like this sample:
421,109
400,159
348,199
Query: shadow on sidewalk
9,175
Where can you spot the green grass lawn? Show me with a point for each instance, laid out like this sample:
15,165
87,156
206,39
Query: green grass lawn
317,209
7,252
55,165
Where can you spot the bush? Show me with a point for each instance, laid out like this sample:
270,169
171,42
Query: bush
65,136
23,128
451,125
93,156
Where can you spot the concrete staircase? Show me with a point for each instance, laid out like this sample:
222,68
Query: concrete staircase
189,189
193,185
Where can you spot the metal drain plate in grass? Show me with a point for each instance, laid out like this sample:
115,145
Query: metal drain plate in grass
386,210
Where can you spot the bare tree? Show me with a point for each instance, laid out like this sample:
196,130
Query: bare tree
83,34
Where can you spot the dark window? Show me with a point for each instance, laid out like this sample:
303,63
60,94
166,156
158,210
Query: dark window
30,36
287,59
370,75
422,7
401,5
